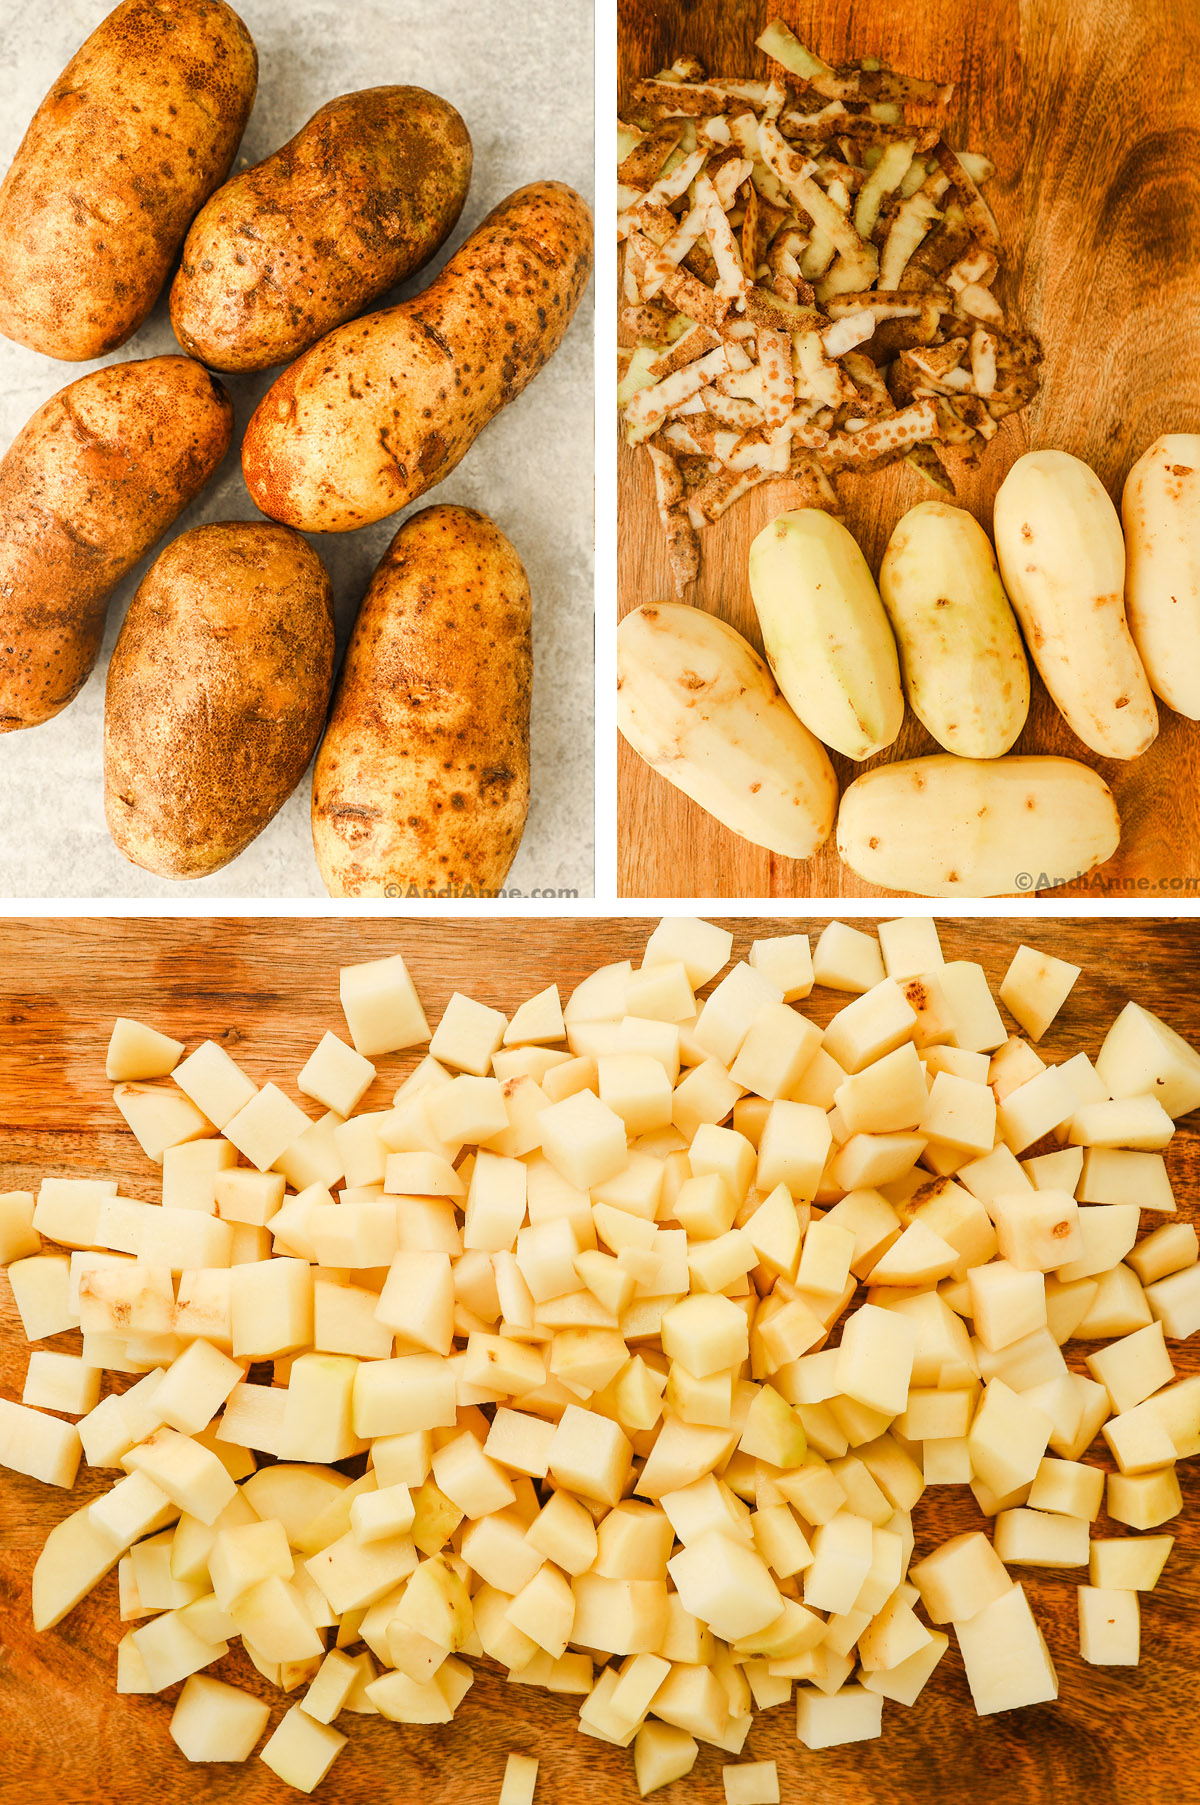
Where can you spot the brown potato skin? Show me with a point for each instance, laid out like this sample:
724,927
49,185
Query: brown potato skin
88,485
216,695
385,407
422,779
135,134
362,196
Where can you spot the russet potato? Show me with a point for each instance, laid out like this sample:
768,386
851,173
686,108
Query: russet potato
216,695
88,485
423,776
135,134
362,196
386,406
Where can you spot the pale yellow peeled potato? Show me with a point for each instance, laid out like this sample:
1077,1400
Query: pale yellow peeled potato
700,706
1062,559
964,667
825,632
1160,509
947,826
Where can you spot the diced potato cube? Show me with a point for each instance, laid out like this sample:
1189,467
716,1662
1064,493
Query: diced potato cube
160,1118
1109,1627
705,1333
1141,1056
1008,1438
827,1720
590,1455
887,1097
751,1783
172,1651
1069,1487
662,1753
136,1051
191,1476
382,1010
1144,1500
795,1144
468,1035
1039,1538
215,1083
786,960
61,1382
44,1447
265,1126
301,1750
1129,1563
1037,1230
1005,1655
520,1778
395,1397
335,1075
1035,987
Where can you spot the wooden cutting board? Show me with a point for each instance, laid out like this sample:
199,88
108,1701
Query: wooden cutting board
267,990
1097,196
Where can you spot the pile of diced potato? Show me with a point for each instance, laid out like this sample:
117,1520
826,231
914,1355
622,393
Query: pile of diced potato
587,1298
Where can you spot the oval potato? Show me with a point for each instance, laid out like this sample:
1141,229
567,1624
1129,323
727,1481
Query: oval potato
362,196
88,485
216,695
964,667
135,134
1160,508
946,826
696,701
422,780
1062,558
386,406
825,632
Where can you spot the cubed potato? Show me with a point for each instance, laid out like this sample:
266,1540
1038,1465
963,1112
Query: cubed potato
705,1094
44,1447
1109,1627
1039,1538
62,1382
1167,1250
1175,1301
136,1051
335,1075
786,960
875,1359
1035,987
842,1554
19,1240
190,1174
845,958
960,1113
705,1333
910,946
1069,1487
793,1149
266,1126
468,1035
160,1118
726,1585
1008,1438
1142,1056
1005,1655
382,1010
1129,1563
395,1397
888,1097
1035,1108
190,1474
215,1083
1007,1302
584,1140
1037,1230
590,1455
301,1750
272,1306
827,1720
1144,1500
171,1651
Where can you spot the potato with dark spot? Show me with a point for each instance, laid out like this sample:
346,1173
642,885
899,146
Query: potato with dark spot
88,485
386,406
134,136
362,196
217,693
422,780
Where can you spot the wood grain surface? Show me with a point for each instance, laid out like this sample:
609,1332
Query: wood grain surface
1097,196
268,990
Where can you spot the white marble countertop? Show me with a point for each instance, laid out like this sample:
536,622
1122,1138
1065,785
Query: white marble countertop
521,74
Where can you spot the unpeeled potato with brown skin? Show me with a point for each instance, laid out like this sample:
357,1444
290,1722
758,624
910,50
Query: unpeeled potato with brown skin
422,780
216,697
135,134
88,485
362,196
386,406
